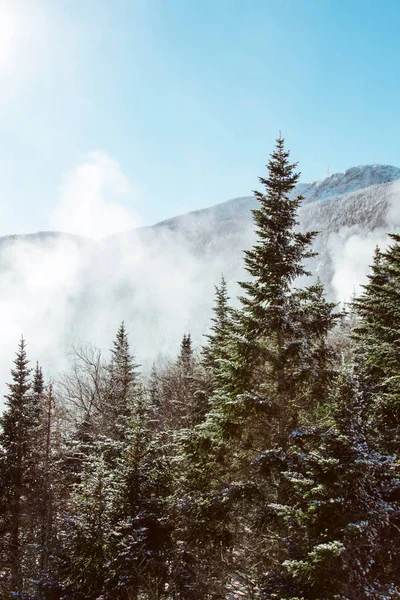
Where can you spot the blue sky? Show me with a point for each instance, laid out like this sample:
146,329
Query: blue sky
155,107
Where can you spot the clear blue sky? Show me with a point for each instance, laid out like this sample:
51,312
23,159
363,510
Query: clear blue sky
188,96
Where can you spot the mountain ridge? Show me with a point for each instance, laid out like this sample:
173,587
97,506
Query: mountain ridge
340,183
345,182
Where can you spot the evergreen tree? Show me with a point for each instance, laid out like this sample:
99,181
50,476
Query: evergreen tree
37,534
281,330
216,351
29,480
154,387
378,352
86,531
277,362
140,535
183,389
123,385
38,381
16,468
276,372
154,395
199,517
51,492
186,352
337,531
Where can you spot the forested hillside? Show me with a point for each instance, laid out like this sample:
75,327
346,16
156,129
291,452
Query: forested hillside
263,465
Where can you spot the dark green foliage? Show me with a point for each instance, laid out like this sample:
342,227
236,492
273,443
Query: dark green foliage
278,353
186,351
86,532
216,353
276,260
378,349
19,421
50,488
141,537
278,255
270,367
337,525
38,381
199,517
16,425
121,386
154,388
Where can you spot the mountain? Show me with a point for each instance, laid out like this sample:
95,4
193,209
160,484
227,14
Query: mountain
59,288
350,210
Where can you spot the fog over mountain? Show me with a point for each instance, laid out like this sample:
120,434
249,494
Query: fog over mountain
58,289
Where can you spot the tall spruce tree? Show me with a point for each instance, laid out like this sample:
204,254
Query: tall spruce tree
216,352
85,531
140,536
18,422
186,352
123,385
153,389
377,345
281,330
276,372
38,381
36,534
51,493
277,360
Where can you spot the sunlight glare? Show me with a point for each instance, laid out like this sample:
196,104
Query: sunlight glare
8,35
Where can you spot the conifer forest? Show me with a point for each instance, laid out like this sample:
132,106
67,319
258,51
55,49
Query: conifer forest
263,465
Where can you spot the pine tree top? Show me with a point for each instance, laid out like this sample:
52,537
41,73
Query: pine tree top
20,374
121,343
277,258
186,350
121,356
38,380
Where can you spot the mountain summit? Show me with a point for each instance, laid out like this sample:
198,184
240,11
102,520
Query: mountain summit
356,178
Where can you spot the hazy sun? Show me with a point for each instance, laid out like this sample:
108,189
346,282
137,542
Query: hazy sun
9,29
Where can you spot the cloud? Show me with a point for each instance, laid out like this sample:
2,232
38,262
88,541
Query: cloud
39,278
394,206
90,199
351,250
59,290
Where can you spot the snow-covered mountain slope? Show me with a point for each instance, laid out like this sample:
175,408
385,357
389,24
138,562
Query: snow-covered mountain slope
356,178
315,194
352,211
57,288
